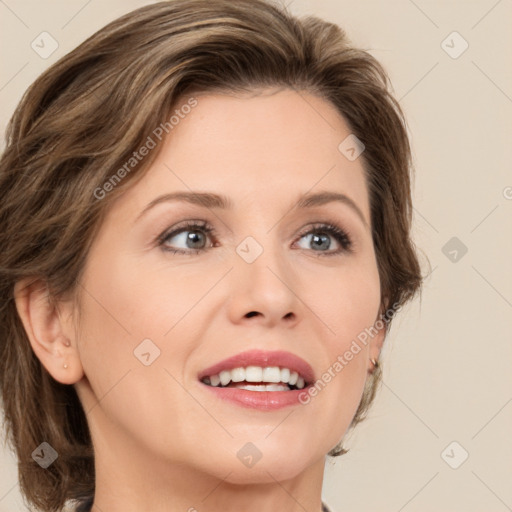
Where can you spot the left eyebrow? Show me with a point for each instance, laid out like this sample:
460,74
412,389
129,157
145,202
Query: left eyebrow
321,198
219,201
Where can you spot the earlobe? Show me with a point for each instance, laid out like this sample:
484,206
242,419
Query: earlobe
377,342
50,336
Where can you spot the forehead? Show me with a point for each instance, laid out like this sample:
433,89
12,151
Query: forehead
270,146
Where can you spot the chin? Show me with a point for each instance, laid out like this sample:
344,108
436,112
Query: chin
263,461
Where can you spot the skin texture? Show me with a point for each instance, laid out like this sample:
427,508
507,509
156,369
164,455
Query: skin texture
162,441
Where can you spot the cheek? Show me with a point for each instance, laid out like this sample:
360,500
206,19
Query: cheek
123,306
117,313
126,301
137,300
346,300
350,309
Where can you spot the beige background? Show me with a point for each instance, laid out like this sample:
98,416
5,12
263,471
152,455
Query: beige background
448,360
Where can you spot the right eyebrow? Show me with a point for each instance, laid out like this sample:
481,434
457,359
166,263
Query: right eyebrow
206,199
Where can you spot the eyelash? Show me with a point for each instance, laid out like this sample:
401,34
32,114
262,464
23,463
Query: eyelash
324,228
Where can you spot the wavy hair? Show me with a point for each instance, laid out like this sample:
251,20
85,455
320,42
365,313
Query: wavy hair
82,119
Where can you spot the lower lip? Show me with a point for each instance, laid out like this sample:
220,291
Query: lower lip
262,400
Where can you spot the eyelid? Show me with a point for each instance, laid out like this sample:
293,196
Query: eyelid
190,224
332,228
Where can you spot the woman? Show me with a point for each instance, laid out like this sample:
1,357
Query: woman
206,229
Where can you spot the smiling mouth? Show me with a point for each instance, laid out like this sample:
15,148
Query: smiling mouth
257,378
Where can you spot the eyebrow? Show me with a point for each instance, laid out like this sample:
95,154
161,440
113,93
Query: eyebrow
219,201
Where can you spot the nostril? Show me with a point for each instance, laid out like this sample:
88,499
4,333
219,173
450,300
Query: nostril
251,314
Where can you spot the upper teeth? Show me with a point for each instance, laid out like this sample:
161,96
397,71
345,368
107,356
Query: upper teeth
257,374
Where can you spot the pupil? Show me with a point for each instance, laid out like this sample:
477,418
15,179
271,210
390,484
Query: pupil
192,237
317,238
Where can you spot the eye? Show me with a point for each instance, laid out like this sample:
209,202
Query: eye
319,238
192,236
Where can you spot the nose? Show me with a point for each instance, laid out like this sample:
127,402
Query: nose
262,292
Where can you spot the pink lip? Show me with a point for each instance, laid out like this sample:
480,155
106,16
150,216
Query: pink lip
263,358
263,400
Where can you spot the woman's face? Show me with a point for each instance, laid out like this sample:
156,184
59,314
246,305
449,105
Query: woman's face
260,275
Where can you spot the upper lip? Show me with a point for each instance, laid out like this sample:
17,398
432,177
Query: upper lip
263,358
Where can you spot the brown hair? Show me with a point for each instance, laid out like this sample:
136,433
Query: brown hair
83,118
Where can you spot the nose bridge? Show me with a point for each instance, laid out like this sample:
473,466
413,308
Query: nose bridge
262,279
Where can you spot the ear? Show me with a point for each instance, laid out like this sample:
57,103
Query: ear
377,341
49,329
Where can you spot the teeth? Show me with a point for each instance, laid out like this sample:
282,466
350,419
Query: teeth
253,374
238,374
277,377
272,374
276,387
225,377
268,387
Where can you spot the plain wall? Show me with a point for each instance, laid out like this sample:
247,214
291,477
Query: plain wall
448,358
